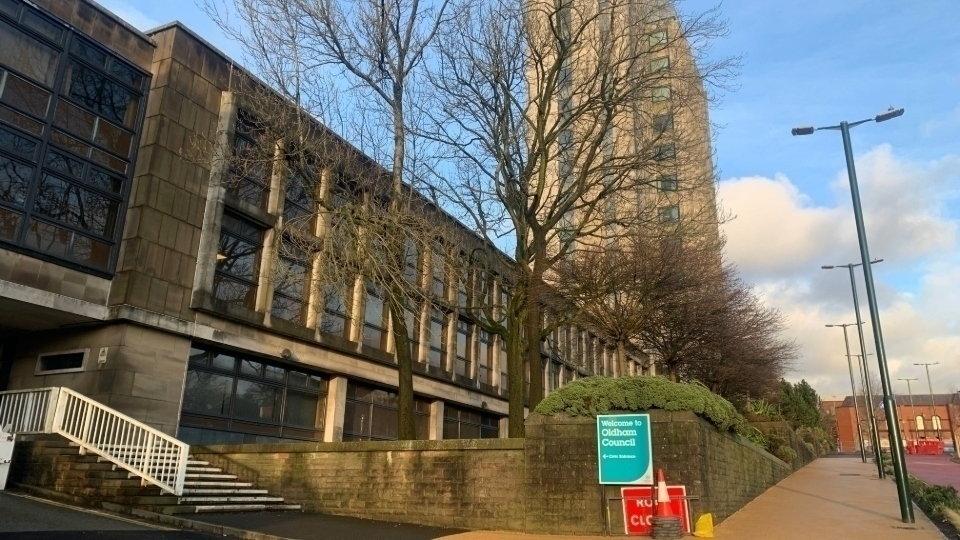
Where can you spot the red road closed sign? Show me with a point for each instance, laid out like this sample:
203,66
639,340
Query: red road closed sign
639,509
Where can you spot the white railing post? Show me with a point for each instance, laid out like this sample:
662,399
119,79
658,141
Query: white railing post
181,471
85,427
54,412
148,456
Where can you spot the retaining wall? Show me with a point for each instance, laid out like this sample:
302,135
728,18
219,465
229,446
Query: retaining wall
546,483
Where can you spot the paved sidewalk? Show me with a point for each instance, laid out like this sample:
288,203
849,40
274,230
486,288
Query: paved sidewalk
935,469
837,498
830,499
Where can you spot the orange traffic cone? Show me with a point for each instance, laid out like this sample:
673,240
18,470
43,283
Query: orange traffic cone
663,497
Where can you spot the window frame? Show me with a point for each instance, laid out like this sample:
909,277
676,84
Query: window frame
70,252
254,281
662,63
83,364
674,213
667,182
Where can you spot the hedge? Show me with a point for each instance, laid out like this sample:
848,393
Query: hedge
600,395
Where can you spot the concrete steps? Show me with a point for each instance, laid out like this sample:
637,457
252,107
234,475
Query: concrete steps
54,464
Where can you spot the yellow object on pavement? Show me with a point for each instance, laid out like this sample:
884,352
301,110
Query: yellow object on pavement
704,527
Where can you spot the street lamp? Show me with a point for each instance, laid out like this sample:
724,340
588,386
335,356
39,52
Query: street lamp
853,387
871,406
912,410
868,390
890,409
933,407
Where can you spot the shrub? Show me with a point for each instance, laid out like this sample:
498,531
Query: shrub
934,498
756,436
811,447
600,395
785,453
762,408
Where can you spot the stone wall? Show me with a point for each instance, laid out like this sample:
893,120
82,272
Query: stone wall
546,483
564,497
474,484
793,440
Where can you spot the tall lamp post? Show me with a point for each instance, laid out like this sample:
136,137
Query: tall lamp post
912,410
853,387
933,406
890,409
868,390
871,406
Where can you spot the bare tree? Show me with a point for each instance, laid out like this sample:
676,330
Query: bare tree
375,48
543,109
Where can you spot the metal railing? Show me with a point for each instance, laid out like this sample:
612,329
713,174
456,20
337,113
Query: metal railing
155,457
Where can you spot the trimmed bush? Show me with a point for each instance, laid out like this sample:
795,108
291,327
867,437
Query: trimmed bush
600,395
786,454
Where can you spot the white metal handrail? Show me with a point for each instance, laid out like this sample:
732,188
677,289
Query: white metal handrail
154,456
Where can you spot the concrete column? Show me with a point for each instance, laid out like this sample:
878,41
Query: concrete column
213,209
504,427
436,420
336,406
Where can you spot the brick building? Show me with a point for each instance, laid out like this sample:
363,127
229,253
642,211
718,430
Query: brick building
136,276
918,421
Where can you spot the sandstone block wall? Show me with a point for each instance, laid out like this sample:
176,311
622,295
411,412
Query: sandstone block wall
473,484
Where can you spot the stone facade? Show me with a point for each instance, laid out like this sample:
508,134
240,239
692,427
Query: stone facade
544,484
474,484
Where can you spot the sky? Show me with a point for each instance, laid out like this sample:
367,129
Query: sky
818,62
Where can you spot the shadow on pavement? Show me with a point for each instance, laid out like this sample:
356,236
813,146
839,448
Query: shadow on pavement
308,526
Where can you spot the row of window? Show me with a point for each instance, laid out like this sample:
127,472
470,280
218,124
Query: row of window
232,398
70,113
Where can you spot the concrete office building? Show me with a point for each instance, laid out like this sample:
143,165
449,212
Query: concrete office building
136,276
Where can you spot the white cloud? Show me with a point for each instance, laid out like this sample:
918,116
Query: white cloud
780,239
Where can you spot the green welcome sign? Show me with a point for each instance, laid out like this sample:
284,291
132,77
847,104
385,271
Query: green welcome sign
625,453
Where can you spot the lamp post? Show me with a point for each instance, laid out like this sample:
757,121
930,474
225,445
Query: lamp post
933,406
871,406
896,447
853,387
868,390
912,410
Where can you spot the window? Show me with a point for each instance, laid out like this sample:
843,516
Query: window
935,423
371,414
663,123
334,320
438,331
667,182
661,93
665,152
411,258
67,203
291,280
411,316
484,363
61,362
658,39
249,169
374,332
659,65
462,367
669,214
238,261
462,423
438,271
920,423
237,398
504,379
568,375
299,206
556,369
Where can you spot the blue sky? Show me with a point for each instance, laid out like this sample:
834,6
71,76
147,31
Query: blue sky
818,62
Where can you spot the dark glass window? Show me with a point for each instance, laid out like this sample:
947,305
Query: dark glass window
665,152
238,261
249,167
67,203
439,273
658,65
263,402
663,123
462,367
660,93
411,319
72,361
438,331
299,207
291,282
462,423
335,316
669,214
658,39
411,258
374,322
504,382
484,365
668,182
371,414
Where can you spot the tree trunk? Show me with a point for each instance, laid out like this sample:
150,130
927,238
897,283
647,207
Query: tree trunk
515,382
532,329
407,428
622,359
